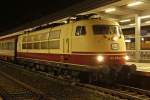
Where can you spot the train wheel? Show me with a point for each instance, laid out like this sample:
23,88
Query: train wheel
42,68
37,67
75,76
33,69
50,71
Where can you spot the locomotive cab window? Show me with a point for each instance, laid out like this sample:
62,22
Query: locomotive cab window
80,30
106,29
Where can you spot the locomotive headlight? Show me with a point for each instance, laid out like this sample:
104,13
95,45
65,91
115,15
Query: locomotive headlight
126,58
100,58
115,38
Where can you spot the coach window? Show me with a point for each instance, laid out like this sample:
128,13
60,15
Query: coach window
36,45
80,30
29,45
44,45
24,46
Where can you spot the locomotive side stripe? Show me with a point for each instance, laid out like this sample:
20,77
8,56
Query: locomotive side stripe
84,53
97,54
73,59
105,53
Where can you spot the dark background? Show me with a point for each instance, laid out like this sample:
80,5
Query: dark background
14,13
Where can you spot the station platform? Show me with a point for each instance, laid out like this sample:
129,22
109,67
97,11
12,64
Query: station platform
143,67
1,98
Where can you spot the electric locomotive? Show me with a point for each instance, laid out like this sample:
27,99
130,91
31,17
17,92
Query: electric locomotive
87,48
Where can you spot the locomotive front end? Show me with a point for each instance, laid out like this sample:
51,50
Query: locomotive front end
111,50
109,42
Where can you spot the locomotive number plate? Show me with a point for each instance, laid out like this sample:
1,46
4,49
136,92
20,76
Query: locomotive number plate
115,57
114,46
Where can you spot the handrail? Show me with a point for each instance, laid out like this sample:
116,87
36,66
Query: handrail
144,54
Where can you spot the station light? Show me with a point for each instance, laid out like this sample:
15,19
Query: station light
96,16
143,17
65,22
126,20
135,3
128,40
132,24
147,22
73,18
110,10
44,25
142,39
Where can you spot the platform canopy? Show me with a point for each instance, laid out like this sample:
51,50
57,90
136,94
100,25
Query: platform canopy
80,7
124,11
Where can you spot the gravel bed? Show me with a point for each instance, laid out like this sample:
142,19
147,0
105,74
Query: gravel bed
54,88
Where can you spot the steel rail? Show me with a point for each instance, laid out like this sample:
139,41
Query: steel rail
118,90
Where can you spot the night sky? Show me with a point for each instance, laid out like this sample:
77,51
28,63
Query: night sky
14,13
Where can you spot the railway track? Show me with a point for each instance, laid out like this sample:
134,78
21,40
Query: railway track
109,92
133,93
121,92
59,89
116,91
12,89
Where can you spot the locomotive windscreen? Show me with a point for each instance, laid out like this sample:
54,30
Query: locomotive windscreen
107,29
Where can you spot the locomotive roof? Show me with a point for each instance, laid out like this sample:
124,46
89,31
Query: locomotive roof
55,24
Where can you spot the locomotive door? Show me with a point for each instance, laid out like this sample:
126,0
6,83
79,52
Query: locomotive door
79,38
66,45
67,39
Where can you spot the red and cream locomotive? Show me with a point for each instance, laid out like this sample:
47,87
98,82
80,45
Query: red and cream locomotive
92,46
